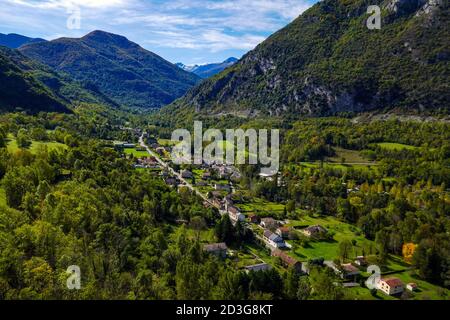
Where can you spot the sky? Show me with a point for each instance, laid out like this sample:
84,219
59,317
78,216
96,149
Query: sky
187,31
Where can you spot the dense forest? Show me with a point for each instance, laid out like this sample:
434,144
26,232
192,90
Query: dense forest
86,204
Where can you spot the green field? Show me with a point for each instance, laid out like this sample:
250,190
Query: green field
166,142
427,291
135,153
205,237
328,250
35,146
262,208
395,146
350,157
330,165
360,293
263,255
242,259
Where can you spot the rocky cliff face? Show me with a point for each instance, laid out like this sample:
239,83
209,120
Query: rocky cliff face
327,62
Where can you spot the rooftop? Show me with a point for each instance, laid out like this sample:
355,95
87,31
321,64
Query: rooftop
393,282
215,247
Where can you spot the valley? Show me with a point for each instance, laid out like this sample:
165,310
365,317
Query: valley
88,177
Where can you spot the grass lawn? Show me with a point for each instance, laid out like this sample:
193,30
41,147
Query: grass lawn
427,291
2,197
262,254
35,146
328,250
331,165
166,142
395,146
262,207
243,259
135,153
350,156
360,293
198,173
206,236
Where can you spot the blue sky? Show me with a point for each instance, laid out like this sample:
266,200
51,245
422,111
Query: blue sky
190,31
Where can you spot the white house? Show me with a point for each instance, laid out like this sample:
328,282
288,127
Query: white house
391,286
274,240
412,287
235,214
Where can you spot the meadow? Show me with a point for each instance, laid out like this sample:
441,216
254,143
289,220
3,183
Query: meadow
136,153
35,146
329,250
395,146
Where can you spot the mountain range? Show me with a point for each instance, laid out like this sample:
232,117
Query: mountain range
15,41
208,70
120,69
33,87
328,62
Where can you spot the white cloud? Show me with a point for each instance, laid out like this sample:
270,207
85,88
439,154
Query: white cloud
62,4
211,40
203,25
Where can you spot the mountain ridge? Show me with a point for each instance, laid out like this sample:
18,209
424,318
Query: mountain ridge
122,70
208,70
327,62
14,40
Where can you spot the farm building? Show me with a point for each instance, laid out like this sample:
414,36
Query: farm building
287,260
283,232
217,249
314,230
269,223
258,267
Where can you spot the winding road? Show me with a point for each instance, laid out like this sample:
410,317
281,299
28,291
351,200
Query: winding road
171,170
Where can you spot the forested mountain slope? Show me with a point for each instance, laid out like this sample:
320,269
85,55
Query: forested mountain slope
327,61
14,40
20,89
31,86
121,69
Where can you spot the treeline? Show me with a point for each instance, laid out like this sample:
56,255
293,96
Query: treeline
401,199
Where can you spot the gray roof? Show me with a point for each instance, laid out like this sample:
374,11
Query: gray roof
215,247
272,236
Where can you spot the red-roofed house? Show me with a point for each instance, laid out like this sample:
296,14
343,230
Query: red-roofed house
391,286
283,232
349,270
287,260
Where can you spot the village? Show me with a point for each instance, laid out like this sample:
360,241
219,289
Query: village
277,241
